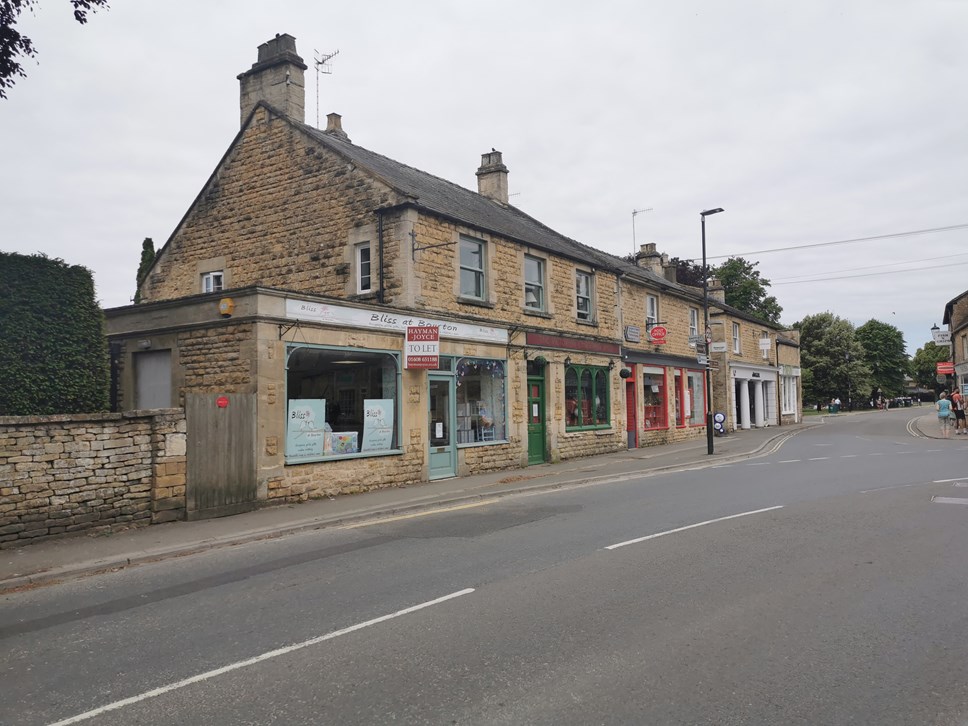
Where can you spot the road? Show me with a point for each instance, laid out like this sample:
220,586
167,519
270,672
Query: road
821,583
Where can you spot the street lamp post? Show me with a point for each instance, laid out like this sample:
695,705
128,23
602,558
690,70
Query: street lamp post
705,317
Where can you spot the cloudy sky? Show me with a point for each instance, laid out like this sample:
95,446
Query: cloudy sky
809,123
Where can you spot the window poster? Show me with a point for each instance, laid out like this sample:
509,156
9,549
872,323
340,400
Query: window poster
377,424
305,428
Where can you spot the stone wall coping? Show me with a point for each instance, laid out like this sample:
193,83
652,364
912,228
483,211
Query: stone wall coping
77,418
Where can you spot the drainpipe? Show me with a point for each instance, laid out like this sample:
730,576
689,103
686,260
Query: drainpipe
379,214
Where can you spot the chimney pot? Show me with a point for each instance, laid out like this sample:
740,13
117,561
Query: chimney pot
492,177
334,126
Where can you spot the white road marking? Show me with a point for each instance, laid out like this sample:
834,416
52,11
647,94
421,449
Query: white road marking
876,453
945,481
257,659
949,500
961,484
789,461
884,489
690,526
759,463
849,456
819,458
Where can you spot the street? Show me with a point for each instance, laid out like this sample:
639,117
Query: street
822,582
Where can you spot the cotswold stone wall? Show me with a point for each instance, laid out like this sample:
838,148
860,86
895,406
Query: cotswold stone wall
89,472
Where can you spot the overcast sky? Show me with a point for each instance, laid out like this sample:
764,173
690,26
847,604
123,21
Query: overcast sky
809,123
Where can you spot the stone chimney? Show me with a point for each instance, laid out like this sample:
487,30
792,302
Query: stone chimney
648,258
492,177
334,127
716,291
278,78
668,269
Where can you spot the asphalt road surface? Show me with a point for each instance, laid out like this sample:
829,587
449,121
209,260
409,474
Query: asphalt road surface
821,583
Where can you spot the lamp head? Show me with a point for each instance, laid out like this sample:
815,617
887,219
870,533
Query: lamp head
706,213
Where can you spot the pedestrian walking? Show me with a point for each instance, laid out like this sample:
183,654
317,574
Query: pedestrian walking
958,406
944,413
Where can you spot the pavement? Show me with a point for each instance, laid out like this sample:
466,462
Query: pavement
56,560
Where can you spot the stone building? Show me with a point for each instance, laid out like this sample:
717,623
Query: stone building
334,321
956,318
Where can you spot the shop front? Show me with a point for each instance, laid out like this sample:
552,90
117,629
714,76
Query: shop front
665,398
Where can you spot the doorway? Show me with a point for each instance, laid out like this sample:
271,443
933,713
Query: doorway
536,420
440,421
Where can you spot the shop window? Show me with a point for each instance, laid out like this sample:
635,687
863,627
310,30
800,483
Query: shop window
656,410
341,402
586,397
696,400
481,401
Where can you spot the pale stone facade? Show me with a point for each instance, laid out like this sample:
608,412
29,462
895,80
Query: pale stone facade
304,261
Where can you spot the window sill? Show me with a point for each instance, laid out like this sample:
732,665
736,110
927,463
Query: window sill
344,457
370,295
475,302
476,444
590,323
582,429
537,313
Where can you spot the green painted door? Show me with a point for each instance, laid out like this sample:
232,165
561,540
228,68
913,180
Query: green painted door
443,451
536,421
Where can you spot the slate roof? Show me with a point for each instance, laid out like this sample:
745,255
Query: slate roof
453,201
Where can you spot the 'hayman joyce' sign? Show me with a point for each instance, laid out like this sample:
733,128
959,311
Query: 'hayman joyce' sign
422,347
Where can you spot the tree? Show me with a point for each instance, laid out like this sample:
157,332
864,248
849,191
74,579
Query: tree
687,272
924,368
14,45
884,354
746,290
147,260
832,360
53,353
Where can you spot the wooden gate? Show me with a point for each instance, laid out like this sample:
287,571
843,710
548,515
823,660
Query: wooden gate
221,476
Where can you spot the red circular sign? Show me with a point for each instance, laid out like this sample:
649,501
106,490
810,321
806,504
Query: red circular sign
222,401
657,333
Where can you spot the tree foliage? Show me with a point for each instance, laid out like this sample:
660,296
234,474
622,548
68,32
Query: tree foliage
144,265
832,360
53,354
14,45
924,368
884,354
687,272
746,290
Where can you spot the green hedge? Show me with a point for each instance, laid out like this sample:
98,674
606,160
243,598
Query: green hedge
53,353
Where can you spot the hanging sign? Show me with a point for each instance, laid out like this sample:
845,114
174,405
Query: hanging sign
422,347
941,337
947,368
657,334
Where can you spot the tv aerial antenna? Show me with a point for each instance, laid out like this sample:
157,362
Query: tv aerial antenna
635,212
322,63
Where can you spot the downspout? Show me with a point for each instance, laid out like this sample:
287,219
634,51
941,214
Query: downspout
779,384
379,214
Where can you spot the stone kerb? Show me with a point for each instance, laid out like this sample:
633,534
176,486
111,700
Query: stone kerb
70,473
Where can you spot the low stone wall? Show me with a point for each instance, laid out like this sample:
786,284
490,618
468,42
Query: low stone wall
71,473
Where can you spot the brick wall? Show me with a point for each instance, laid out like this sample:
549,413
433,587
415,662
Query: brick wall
89,472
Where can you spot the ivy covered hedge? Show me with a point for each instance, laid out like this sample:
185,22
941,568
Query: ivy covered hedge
53,353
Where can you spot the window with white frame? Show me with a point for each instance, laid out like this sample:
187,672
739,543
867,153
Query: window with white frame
737,348
583,294
364,282
212,281
534,283
788,394
651,311
693,322
473,282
